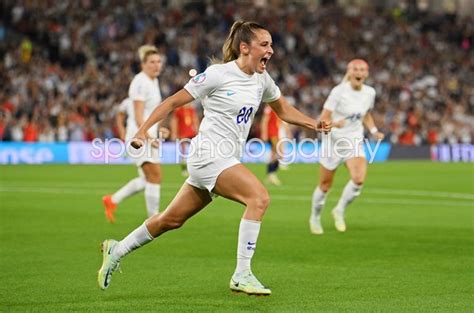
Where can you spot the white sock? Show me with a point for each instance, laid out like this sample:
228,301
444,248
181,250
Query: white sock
350,192
152,198
133,186
134,240
319,198
248,235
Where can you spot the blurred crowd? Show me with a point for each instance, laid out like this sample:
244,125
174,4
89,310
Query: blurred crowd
67,64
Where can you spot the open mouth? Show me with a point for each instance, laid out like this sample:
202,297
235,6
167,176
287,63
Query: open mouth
359,79
264,61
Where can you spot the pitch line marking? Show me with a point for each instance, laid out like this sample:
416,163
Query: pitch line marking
274,196
388,191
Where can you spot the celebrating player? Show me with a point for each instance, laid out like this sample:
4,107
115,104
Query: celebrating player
348,106
144,96
231,94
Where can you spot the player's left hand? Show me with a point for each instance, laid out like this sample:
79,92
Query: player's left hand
139,140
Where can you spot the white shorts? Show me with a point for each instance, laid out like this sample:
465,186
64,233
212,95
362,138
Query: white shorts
145,154
203,174
336,155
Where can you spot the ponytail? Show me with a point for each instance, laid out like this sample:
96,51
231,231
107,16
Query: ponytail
241,31
229,51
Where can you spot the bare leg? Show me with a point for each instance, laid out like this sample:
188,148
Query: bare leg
357,169
152,172
188,201
240,184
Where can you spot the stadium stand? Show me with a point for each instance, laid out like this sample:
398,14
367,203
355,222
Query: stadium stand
66,65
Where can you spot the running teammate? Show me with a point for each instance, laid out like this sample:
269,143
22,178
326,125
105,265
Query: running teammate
348,106
144,95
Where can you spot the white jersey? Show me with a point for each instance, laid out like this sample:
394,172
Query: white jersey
350,105
143,88
230,99
123,107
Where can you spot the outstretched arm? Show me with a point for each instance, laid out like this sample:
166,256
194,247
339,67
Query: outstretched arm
159,113
291,115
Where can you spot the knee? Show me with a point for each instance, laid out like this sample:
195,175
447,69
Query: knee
153,176
160,223
263,200
260,201
358,179
325,185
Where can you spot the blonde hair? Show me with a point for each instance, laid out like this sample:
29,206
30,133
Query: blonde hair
241,31
351,64
145,51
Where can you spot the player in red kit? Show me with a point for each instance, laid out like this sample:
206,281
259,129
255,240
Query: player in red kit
184,126
270,126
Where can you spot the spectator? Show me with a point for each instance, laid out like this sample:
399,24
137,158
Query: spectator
46,133
84,61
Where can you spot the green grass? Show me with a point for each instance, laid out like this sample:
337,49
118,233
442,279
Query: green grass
409,244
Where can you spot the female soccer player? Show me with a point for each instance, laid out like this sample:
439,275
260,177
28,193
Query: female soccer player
137,184
231,94
348,105
144,95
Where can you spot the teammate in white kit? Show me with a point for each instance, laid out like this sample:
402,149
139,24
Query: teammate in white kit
231,94
144,96
348,107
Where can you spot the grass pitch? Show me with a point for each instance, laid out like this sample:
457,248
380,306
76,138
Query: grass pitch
409,244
